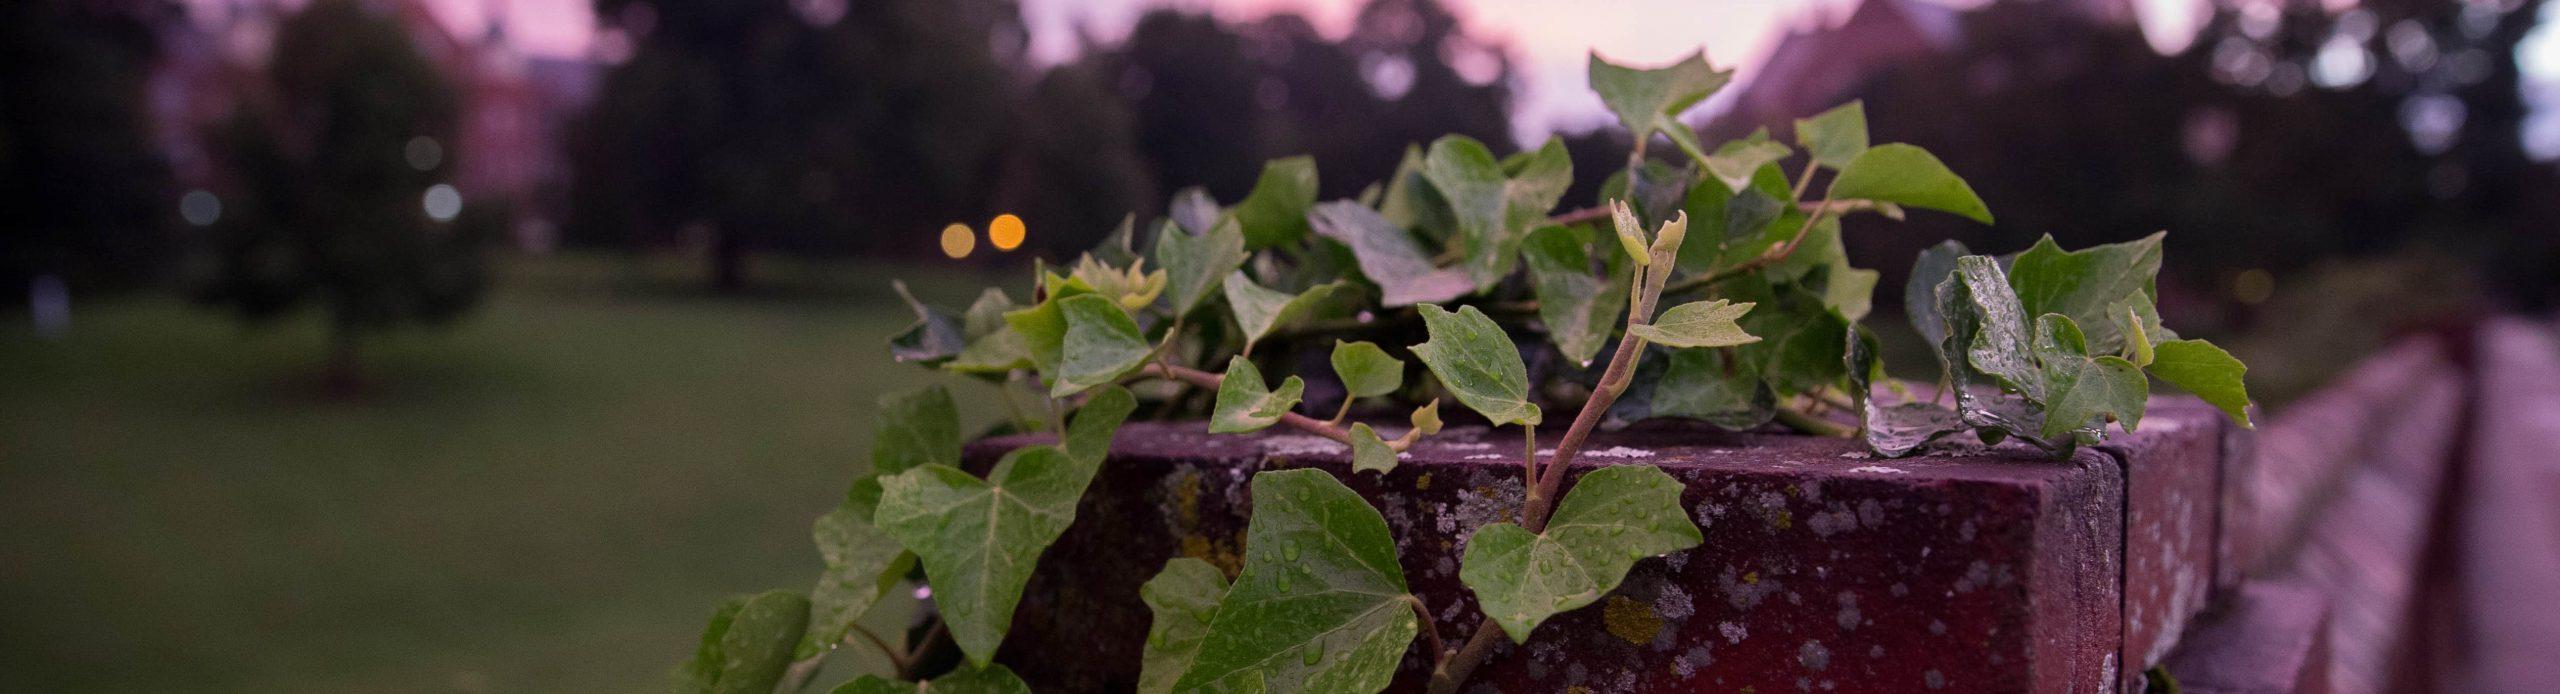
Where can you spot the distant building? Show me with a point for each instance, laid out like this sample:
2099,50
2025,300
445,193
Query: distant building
1814,68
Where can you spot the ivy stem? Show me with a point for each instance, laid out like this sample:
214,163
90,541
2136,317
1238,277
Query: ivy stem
1211,381
1430,630
1529,468
898,659
1800,421
1774,254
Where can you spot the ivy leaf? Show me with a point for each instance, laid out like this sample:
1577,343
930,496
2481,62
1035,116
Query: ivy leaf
935,336
979,539
1894,431
1194,265
1738,161
1698,324
1246,405
1426,420
1369,452
1321,604
1101,344
2080,388
1835,137
992,679
1389,256
1184,598
1908,176
863,563
1088,438
1613,517
1649,100
1476,360
1408,199
1043,326
1275,213
1935,265
2089,284
1713,386
1850,292
1366,371
747,645
1260,311
2199,367
1998,343
994,346
1578,308
1494,204
919,427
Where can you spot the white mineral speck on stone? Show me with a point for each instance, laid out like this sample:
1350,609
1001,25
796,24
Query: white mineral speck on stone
1733,633
1484,456
1301,444
1881,470
1674,603
1466,446
1620,452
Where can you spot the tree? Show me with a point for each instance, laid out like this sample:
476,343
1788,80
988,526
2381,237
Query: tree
83,192
324,209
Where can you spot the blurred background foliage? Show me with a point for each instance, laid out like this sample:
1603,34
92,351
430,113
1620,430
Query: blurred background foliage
661,266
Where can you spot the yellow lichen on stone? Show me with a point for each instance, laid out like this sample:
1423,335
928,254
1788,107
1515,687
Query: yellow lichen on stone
1632,620
1422,483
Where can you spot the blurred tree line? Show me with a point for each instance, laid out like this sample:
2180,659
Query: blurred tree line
84,195
2285,134
864,127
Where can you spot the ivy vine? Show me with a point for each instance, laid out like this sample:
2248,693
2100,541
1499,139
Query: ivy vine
1518,303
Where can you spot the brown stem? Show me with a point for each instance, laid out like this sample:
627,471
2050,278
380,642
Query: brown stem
1800,421
1529,468
1430,630
1766,259
1587,214
1210,381
898,660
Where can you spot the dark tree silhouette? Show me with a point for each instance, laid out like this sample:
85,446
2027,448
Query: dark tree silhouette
83,193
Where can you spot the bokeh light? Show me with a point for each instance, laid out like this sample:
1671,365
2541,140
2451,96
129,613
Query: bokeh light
1006,232
958,241
200,207
442,202
424,153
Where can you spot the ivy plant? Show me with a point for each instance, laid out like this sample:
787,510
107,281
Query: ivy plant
1708,284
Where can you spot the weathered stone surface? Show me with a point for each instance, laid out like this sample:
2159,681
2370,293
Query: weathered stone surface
2172,525
2268,638
1976,571
2508,542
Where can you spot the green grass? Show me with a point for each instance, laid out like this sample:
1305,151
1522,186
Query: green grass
549,496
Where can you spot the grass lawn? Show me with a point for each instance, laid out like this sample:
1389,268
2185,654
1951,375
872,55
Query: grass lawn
548,497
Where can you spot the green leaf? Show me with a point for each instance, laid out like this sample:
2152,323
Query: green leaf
1713,386
1389,256
1908,176
1935,265
1321,604
1246,405
994,346
935,336
1738,161
1648,100
1835,137
1043,326
2137,340
1408,199
1579,309
979,539
1613,517
1369,452
918,427
1100,345
2088,285
1260,311
1698,324
747,646
863,564
2081,389
1194,265
993,679
1275,213
1477,362
1426,419
2199,367
1850,291
1366,370
1471,180
1899,430
1184,598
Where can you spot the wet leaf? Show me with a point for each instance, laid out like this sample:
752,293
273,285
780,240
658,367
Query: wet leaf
1494,205
1275,213
1712,386
1894,431
2089,285
1369,452
1321,603
1935,265
936,336
1835,137
1184,599
1366,370
979,539
2199,367
1698,324
918,427
862,564
1101,344
1195,265
1245,404
1998,345
1477,362
747,645
1612,517
1389,256
1908,176
1581,310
